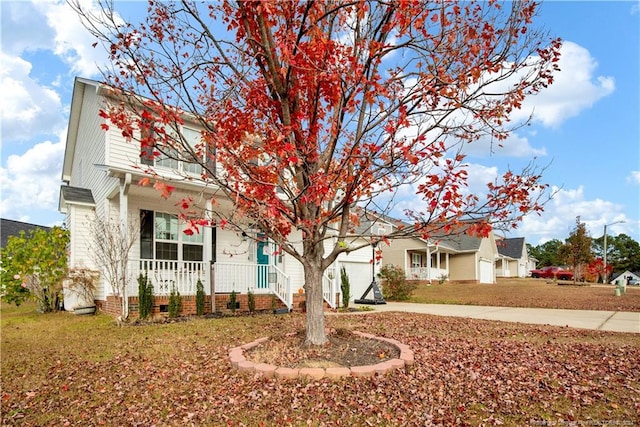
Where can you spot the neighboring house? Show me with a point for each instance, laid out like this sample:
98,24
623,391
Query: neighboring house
631,275
513,258
101,172
456,258
9,227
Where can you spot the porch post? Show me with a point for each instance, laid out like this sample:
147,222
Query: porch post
428,263
407,264
446,260
125,184
208,255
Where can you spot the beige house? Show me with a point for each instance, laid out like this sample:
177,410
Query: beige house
460,258
457,258
513,258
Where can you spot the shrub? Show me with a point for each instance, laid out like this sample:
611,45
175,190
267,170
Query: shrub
395,286
199,298
145,296
33,266
82,284
175,302
251,302
345,287
232,301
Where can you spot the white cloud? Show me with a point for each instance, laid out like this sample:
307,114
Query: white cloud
405,199
479,176
575,88
513,146
53,26
634,177
24,28
73,43
28,108
31,181
559,217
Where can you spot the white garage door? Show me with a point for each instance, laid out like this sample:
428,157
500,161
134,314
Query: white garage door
486,271
359,277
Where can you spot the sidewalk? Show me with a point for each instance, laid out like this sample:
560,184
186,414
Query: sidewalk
616,321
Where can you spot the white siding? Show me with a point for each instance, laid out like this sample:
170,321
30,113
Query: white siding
486,271
291,266
88,170
122,154
231,247
359,277
80,244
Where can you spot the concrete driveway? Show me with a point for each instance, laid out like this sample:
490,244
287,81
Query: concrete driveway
617,321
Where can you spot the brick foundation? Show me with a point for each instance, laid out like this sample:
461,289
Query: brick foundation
264,302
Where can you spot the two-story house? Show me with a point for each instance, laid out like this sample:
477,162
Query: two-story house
101,174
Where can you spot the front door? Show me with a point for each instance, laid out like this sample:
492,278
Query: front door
262,258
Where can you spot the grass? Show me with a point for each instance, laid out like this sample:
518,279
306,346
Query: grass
61,369
530,293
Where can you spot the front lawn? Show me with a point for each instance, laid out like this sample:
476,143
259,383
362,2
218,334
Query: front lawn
60,369
531,293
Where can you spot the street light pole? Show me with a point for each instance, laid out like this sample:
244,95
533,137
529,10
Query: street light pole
605,249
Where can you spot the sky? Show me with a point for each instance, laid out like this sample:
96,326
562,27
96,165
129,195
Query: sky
585,129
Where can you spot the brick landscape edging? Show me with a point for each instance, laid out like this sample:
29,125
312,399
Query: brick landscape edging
241,364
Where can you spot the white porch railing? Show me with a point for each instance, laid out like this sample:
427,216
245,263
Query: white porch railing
258,278
165,275
422,273
329,290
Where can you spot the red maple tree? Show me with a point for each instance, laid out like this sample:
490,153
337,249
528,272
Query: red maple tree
596,269
311,109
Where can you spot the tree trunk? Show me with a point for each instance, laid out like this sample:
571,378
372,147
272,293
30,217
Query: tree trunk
315,302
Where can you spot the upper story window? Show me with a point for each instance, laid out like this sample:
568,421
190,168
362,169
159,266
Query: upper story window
171,158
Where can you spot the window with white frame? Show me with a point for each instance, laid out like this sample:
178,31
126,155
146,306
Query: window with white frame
193,139
162,237
416,260
169,156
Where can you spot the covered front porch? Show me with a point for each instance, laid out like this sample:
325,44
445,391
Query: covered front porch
224,259
221,278
428,264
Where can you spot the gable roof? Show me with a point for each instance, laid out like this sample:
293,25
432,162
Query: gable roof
511,248
635,274
462,242
9,227
459,241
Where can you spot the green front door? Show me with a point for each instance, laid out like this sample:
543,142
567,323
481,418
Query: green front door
262,258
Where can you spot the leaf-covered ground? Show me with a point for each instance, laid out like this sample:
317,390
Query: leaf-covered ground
61,369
